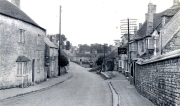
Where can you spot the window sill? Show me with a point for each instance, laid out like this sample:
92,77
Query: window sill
21,75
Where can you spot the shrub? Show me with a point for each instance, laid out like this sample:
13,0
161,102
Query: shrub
95,69
110,65
63,60
100,60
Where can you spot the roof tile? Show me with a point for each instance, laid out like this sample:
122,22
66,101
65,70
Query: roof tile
8,9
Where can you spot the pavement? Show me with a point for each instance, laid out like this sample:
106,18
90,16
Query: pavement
14,92
127,93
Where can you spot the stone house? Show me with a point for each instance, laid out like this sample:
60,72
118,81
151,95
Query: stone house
148,41
21,47
123,59
51,58
156,76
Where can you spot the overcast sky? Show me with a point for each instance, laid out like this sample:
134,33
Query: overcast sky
88,21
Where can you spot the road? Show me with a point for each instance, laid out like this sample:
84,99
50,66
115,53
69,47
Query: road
83,89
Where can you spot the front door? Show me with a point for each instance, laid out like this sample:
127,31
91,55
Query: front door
33,70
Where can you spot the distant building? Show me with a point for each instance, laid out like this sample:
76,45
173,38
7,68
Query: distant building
21,47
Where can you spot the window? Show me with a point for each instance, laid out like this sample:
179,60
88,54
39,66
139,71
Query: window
150,43
22,36
142,45
38,39
53,65
22,68
133,46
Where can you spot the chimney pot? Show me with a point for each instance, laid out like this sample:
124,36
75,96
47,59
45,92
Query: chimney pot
175,2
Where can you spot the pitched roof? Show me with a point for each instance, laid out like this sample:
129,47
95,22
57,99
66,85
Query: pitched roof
22,59
10,10
49,43
157,23
142,31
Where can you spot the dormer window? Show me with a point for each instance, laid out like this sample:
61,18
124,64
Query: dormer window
142,46
21,36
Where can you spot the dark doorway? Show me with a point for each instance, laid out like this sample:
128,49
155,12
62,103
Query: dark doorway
59,71
132,70
33,61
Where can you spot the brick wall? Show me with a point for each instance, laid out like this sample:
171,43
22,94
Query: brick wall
160,81
10,49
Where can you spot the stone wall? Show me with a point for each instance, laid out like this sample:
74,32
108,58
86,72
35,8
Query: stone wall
169,30
160,81
10,49
173,44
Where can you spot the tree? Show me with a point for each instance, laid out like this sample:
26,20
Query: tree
63,60
99,61
68,45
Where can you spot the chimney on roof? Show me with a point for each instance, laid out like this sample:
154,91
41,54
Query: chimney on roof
151,8
150,17
175,2
16,3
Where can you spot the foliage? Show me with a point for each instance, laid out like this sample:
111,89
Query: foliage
95,68
110,65
99,48
62,40
63,60
68,45
100,60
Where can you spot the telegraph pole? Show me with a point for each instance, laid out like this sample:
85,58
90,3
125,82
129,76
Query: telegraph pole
129,55
127,27
59,41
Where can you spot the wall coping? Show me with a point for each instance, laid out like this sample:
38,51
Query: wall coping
173,54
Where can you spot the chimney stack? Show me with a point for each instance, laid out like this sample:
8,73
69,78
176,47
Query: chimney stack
151,8
150,17
175,2
16,3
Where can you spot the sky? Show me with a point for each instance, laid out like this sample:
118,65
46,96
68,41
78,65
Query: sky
88,21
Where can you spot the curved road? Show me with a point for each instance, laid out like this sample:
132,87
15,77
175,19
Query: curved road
83,89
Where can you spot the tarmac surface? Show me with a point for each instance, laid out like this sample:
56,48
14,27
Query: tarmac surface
77,88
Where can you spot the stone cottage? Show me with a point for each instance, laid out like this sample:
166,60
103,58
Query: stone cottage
51,58
21,47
